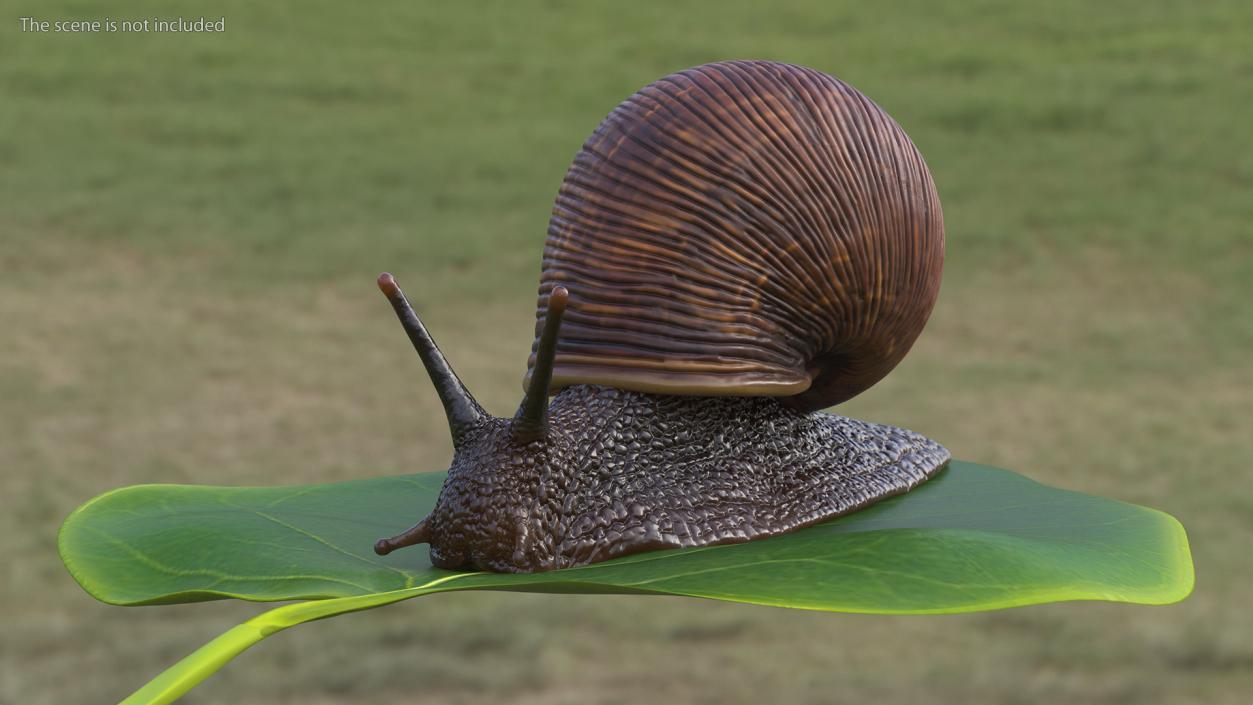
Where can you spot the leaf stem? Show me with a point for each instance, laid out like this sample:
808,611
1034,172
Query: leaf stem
176,680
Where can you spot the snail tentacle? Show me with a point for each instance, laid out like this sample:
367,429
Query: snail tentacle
464,413
531,421
418,533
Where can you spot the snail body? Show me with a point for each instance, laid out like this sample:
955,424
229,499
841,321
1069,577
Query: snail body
747,242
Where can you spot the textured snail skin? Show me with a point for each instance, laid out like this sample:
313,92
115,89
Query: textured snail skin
621,472
744,228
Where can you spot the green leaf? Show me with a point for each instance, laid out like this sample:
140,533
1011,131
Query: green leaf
972,538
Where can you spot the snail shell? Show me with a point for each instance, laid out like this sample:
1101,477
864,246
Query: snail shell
744,228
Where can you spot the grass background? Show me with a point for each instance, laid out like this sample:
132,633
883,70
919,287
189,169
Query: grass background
190,227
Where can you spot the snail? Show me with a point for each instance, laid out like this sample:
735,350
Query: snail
735,247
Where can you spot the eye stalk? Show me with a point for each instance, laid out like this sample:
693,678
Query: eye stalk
464,413
531,421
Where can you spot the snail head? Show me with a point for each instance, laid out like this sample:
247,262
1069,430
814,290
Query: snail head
478,522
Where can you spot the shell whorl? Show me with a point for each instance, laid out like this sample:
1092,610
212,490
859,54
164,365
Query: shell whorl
743,228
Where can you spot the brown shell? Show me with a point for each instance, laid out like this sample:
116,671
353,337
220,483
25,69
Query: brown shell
743,228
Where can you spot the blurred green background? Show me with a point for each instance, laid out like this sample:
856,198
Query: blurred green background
190,227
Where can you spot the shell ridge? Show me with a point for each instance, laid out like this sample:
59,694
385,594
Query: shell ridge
818,220
772,152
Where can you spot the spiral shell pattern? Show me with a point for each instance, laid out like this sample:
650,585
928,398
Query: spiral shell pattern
743,228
